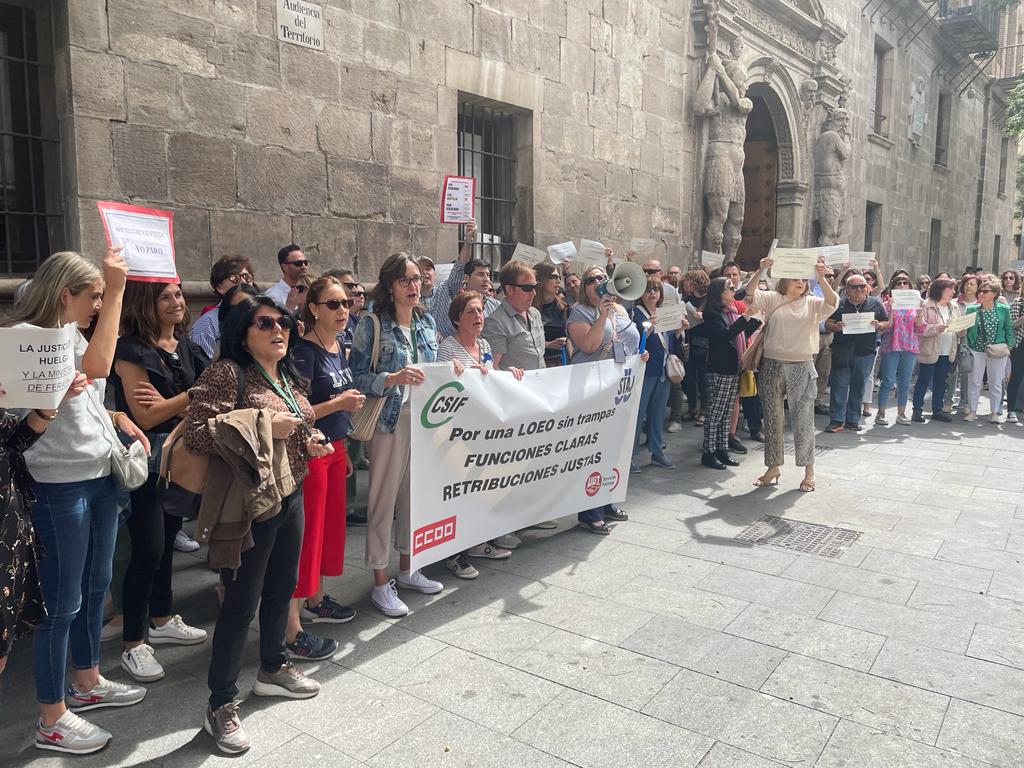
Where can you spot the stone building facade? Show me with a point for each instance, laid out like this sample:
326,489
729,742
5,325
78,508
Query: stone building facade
576,116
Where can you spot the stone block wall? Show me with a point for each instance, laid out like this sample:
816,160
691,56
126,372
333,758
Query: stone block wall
196,107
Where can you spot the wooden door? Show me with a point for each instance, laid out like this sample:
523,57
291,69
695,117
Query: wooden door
761,174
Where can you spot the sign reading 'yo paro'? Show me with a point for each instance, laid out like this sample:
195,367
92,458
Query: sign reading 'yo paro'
300,23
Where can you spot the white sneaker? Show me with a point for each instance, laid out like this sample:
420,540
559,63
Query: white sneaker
176,632
508,541
110,631
970,415
461,567
419,582
140,663
996,418
1012,417
673,427
185,543
901,419
387,602
71,734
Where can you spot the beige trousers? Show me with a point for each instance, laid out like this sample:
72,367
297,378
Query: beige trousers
388,503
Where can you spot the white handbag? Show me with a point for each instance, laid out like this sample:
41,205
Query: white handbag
129,464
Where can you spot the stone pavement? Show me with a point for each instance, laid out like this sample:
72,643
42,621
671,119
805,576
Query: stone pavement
668,643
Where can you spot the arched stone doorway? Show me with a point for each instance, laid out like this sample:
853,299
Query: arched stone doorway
761,178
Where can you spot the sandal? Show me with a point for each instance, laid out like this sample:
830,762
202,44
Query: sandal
807,486
601,529
766,479
699,421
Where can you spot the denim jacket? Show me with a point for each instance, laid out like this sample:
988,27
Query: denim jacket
394,355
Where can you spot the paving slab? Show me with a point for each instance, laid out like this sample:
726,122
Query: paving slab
982,733
764,589
855,581
1003,646
858,746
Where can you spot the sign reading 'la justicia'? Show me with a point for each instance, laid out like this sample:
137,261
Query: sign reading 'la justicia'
300,23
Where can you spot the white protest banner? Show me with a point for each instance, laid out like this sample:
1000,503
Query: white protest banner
710,260
491,454
442,272
38,366
835,255
669,317
904,299
562,252
963,322
794,262
861,259
458,197
643,247
529,255
591,253
146,237
858,322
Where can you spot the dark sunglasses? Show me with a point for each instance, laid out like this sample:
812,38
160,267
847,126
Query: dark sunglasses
268,323
595,279
652,271
241,277
902,282
299,263
300,288
361,294
985,290
349,286
528,287
335,304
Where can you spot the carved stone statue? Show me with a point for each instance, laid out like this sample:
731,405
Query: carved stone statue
721,98
831,152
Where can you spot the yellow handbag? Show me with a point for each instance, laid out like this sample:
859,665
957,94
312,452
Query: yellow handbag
748,384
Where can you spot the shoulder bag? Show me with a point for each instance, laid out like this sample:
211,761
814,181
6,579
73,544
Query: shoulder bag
754,353
364,421
992,351
674,369
129,464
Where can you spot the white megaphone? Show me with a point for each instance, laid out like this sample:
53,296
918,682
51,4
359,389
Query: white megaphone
628,282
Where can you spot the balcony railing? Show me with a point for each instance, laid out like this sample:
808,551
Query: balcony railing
973,25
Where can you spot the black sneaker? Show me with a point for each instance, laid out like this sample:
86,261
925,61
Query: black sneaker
355,519
853,427
310,647
942,416
918,417
329,611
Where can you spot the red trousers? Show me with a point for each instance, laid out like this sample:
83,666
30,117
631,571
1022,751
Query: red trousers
323,537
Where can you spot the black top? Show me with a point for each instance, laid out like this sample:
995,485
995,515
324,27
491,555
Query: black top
722,355
862,343
329,376
554,328
655,344
170,373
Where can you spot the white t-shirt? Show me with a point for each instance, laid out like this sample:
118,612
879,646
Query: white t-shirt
407,331
946,338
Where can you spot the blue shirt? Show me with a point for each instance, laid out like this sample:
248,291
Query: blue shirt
329,376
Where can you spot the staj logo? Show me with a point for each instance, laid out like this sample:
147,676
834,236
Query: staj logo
625,387
443,405
433,535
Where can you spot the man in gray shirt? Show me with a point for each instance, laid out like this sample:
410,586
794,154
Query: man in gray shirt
515,330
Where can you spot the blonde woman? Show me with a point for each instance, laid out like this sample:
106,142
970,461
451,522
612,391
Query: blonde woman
75,514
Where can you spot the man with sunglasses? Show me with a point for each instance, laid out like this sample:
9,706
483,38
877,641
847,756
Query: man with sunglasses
225,274
852,354
515,330
294,265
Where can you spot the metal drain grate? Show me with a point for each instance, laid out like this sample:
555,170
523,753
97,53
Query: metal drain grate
789,448
808,538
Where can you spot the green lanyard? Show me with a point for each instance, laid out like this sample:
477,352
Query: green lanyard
412,333
288,396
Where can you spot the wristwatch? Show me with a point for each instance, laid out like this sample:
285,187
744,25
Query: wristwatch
43,416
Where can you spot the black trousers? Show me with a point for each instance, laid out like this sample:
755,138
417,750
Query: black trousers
147,581
267,578
1016,377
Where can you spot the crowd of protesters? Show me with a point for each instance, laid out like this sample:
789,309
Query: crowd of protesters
270,384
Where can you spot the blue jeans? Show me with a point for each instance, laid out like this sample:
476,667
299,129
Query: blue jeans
897,368
653,402
932,375
847,387
77,527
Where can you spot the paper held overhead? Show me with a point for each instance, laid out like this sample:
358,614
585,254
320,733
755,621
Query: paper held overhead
37,365
528,255
146,239
592,254
643,247
458,197
562,252
710,260
794,263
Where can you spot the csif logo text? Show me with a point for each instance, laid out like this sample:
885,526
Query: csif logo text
442,406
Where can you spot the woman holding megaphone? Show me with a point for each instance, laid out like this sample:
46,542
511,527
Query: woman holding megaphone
600,329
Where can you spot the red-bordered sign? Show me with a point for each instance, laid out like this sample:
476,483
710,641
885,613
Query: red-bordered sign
458,200
146,237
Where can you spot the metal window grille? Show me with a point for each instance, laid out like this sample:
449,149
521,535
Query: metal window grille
30,177
487,152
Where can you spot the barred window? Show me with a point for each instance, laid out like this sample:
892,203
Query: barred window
31,222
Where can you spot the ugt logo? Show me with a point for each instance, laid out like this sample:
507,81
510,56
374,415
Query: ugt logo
443,405
625,387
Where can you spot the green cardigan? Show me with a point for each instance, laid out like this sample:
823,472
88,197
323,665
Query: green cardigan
1004,333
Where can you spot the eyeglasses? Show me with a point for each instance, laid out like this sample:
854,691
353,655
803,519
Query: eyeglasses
300,288
360,294
595,279
241,277
652,271
268,323
526,287
902,282
298,263
335,304
405,282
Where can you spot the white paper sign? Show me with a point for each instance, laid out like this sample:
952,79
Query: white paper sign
528,254
146,237
858,322
300,23
669,317
771,249
38,366
591,253
710,260
562,252
458,197
442,272
794,262
643,247
963,322
491,454
835,255
861,259
904,299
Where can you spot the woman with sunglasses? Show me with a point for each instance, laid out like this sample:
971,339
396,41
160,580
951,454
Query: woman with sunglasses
938,348
655,391
255,371
923,282
898,352
406,337
548,300
600,329
226,273
989,337
154,367
1010,281
320,360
